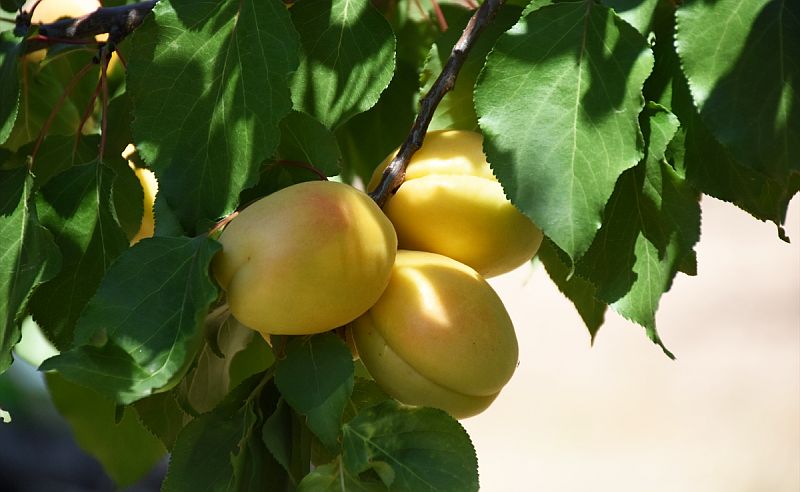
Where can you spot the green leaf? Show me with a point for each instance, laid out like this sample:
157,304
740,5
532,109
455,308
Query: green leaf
652,222
128,198
387,125
558,102
209,83
332,477
43,84
28,256
638,13
59,153
256,357
126,449
305,140
149,312
456,110
316,379
277,434
426,449
742,62
222,450
76,207
695,152
10,49
582,293
347,58
207,383
162,416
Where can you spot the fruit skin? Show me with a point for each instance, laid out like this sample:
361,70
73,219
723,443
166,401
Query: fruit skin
51,10
306,259
147,179
438,336
452,204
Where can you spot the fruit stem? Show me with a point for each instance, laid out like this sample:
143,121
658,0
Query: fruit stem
394,174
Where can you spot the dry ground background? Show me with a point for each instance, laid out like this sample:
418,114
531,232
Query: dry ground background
620,416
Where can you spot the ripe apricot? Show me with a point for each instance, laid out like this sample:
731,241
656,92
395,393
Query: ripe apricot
438,336
452,204
305,259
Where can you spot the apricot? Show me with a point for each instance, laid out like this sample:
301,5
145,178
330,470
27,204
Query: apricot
51,10
439,336
149,185
452,204
305,259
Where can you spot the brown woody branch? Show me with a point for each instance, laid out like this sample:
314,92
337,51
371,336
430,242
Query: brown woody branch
394,174
118,22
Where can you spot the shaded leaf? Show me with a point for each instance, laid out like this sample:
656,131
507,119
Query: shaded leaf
277,434
209,84
207,383
43,84
347,58
162,415
387,124
638,13
742,62
28,256
148,312
306,140
10,49
652,222
558,102
332,477
76,207
456,111
696,154
222,450
582,293
58,153
425,448
91,417
316,379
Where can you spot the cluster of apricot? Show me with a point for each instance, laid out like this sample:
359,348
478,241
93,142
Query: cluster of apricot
431,331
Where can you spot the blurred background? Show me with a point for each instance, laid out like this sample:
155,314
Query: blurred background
620,416
617,416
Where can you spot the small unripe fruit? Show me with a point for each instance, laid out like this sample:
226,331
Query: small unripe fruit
305,259
439,336
452,204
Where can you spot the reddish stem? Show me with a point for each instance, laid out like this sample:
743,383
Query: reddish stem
222,223
105,57
86,113
48,40
304,165
67,91
439,16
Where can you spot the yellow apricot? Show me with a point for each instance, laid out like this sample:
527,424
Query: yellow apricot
51,10
149,185
306,259
452,204
439,336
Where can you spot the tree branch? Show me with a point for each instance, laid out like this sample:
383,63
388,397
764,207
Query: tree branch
118,22
395,172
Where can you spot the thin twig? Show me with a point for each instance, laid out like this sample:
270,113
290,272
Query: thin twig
394,174
118,22
105,57
85,116
303,165
57,107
